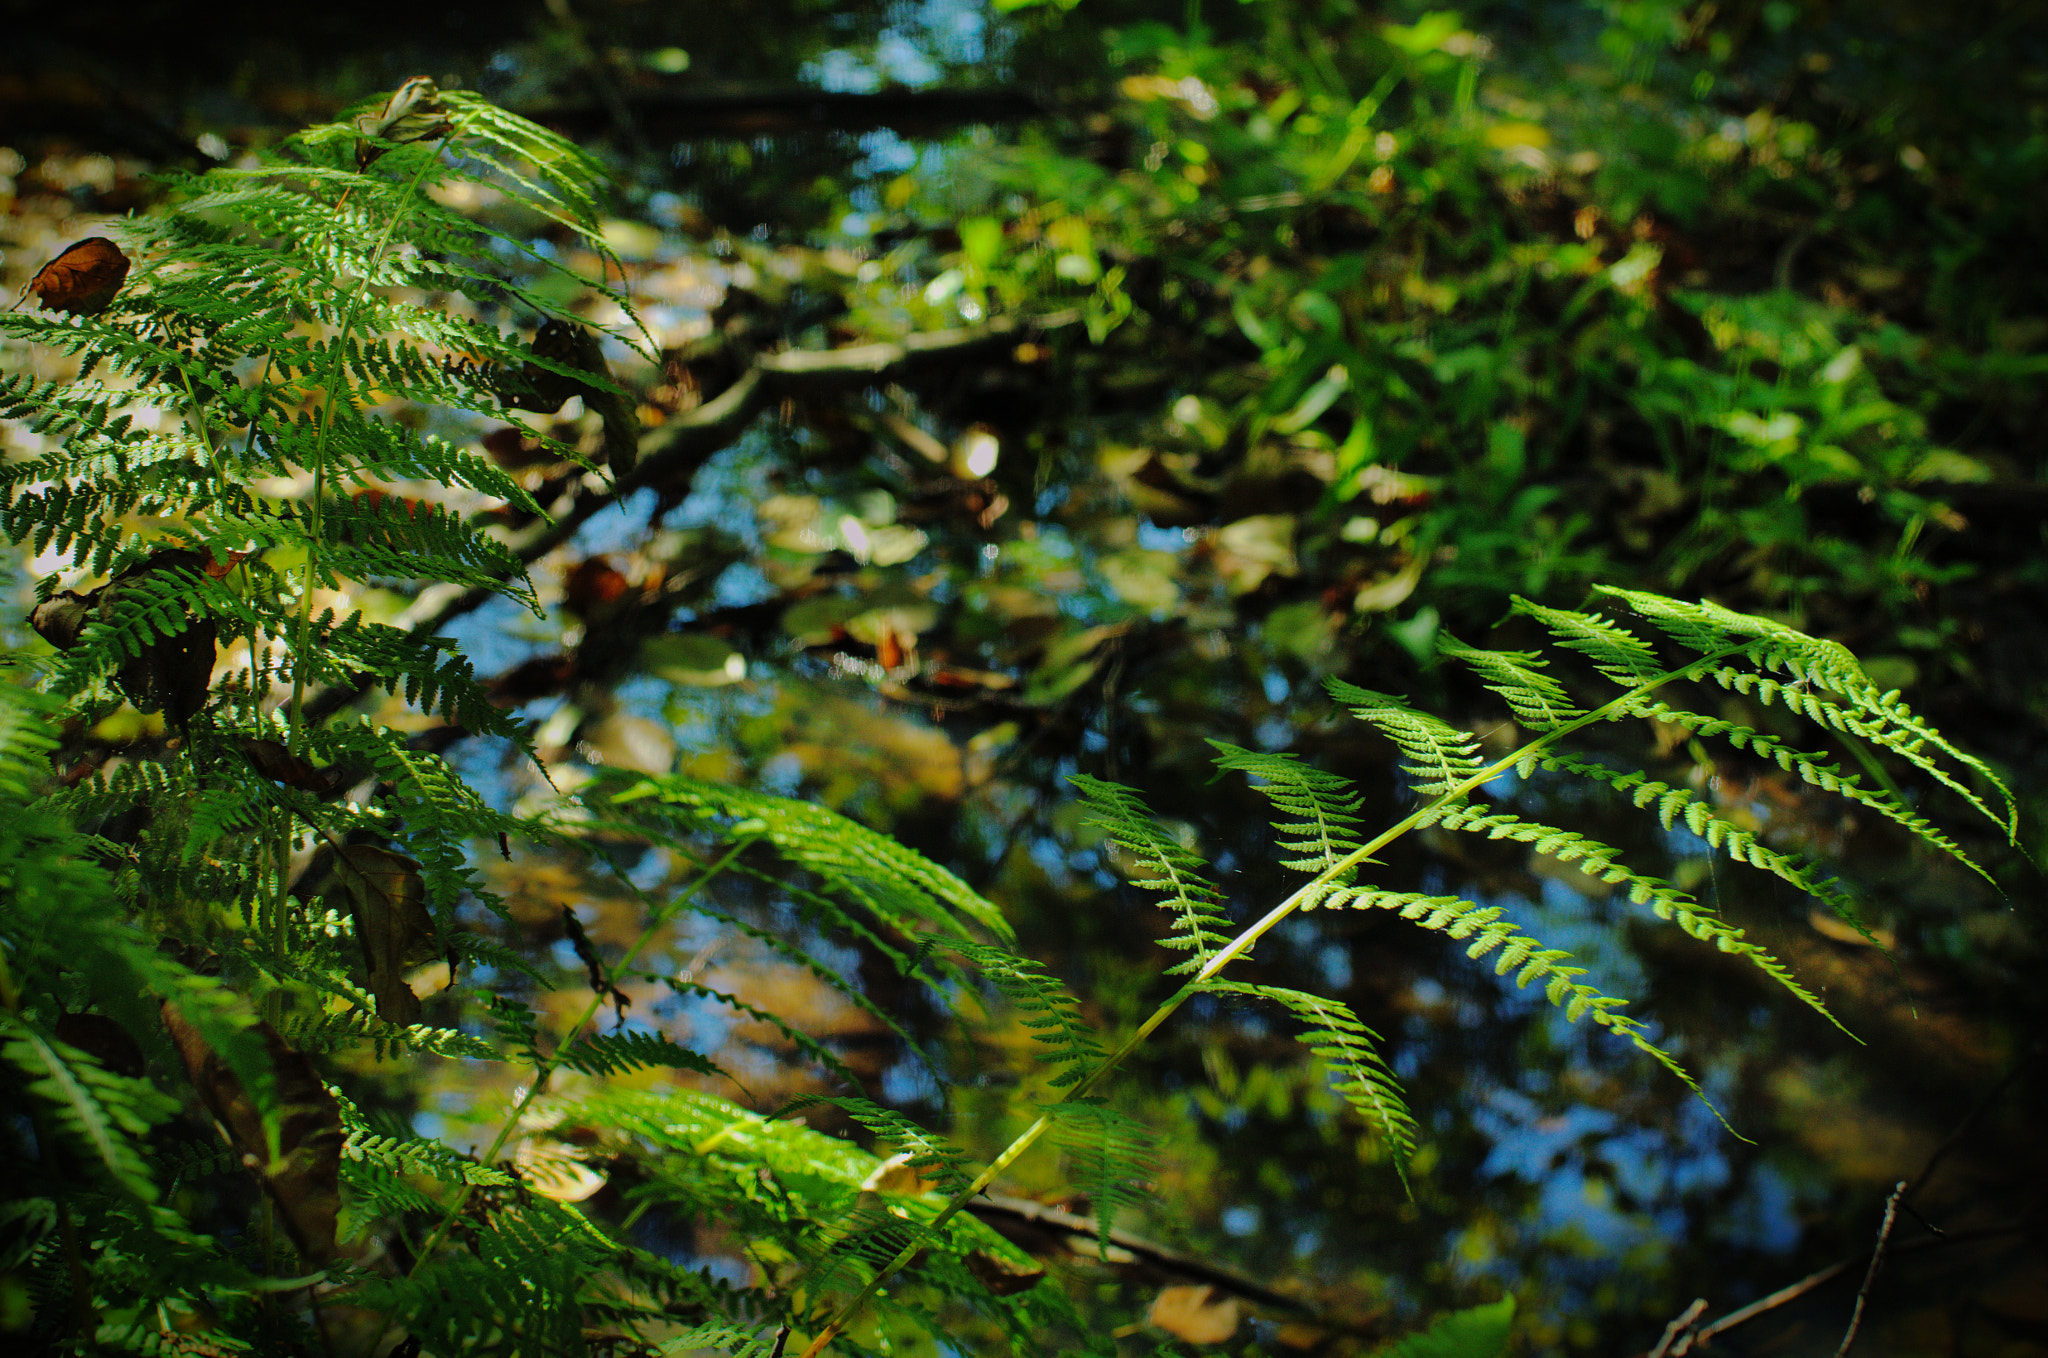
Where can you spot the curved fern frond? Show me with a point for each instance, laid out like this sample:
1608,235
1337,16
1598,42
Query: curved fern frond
1162,864
931,1155
897,886
1602,862
635,1049
1048,1009
1350,1050
1616,652
1324,808
1439,756
1113,1154
1533,695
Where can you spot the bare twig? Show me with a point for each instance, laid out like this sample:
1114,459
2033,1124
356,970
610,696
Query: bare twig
1684,1322
1884,1234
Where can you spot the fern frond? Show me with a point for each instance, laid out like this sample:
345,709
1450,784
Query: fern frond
1163,865
796,1037
1113,1154
1324,807
1487,927
1439,756
335,1031
1880,718
1616,652
1744,846
1047,1008
1537,700
1603,862
932,1155
635,1049
1350,1050
101,1115
897,886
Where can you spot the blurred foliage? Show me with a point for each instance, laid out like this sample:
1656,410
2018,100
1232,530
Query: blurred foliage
1335,326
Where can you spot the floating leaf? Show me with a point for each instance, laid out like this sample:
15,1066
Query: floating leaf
1194,1314
1004,1277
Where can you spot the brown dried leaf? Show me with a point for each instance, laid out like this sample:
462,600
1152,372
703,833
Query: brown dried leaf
413,113
274,761
82,280
387,897
172,673
301,1169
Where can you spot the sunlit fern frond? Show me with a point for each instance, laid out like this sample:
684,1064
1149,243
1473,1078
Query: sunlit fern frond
1675,805
1522,678
1439,757
898,886
1161,863
1351,1052
1616,652
1603,863
1323,808
1819,666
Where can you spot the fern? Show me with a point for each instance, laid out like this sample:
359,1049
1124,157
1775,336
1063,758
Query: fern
1163,865
218,477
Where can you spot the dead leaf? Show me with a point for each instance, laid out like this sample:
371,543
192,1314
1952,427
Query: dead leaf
303,1176
170,674
277,763
387,898
594,587
1193,1314
1004,1277
545,391
413,113
586,952
82,280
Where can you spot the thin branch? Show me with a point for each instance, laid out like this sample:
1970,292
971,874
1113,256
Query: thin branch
1884,1234
998,1211
1685,1320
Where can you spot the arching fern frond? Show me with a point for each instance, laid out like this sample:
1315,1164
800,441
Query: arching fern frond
903,889
1350,1050
1439,756
1162,864
1324,808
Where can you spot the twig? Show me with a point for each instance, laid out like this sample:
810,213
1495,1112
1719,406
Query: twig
1686,1319
1884,1234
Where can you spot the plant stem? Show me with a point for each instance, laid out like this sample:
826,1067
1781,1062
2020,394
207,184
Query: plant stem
320,442
1238,947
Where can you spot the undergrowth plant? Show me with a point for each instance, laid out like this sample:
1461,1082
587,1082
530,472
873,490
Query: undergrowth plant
196,927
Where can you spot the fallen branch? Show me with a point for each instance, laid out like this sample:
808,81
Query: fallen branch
672,454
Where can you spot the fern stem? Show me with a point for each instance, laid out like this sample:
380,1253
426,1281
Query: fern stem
320,442
1238,947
